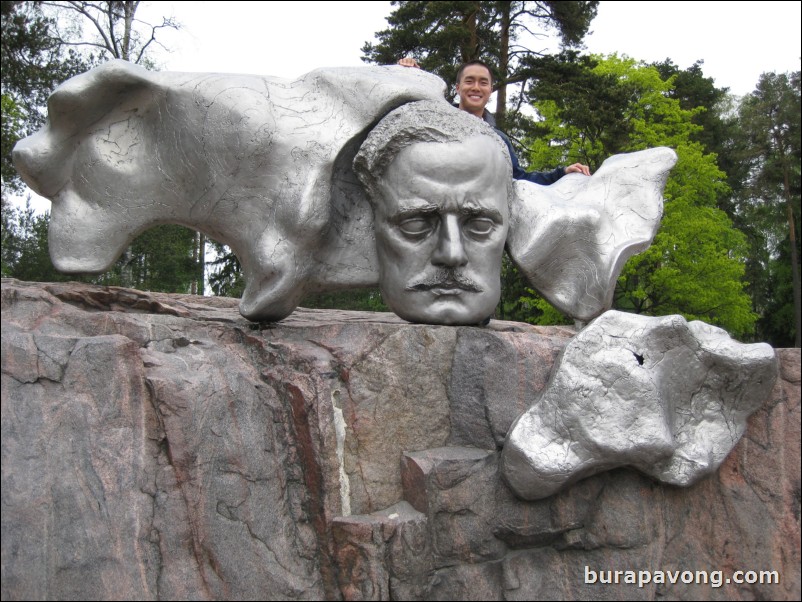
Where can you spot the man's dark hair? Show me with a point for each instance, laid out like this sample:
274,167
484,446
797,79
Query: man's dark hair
468,64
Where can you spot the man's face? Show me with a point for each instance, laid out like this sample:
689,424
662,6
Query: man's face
474,89
440,231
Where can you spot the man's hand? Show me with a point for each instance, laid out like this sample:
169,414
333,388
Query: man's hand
578,168
408,61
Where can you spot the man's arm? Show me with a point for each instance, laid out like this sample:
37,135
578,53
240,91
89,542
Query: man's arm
544,178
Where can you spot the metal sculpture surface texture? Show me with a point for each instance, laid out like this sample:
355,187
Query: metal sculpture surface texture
264,165
440,182
664,395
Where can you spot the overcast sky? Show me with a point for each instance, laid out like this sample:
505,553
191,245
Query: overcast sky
737,40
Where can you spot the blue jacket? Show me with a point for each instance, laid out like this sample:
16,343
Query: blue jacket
543,178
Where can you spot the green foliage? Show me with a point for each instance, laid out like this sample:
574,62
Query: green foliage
33,62
161,259
778,323
357,300
540,311
767,203
695,267
24,253
608,106
594,105
690,270
513,289
12,127
225,272
698,93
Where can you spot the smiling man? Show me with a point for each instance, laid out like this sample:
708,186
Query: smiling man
474,87
440,185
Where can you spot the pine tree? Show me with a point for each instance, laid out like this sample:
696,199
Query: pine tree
443,35
768,142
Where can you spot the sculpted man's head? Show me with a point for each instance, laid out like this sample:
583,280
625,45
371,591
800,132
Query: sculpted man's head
440,184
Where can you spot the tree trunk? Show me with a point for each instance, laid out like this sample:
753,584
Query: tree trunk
129,10
789,209
503,66
470,52
201,264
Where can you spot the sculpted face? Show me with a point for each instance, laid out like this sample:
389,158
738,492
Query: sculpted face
440,231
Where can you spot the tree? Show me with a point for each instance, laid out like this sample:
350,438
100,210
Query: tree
158,258
225,277
769,145
694,91
695,266
12,125
115,31
24,238
33,62
443,35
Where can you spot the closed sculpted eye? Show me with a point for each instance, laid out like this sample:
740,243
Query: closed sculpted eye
417,228
479,227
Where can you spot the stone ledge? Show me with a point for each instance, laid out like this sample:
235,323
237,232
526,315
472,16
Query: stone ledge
161,447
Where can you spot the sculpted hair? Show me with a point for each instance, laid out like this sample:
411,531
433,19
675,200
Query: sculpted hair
422,121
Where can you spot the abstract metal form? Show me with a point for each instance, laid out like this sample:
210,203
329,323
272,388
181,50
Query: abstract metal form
264,165
666,396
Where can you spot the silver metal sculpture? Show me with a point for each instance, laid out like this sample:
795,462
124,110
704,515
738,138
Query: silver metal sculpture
265,165
572,239
440,181
666,396
269,167
261,164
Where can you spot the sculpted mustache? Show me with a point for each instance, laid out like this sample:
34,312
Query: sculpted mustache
446,279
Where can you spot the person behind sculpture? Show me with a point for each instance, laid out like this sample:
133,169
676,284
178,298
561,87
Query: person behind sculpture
440,185
474,87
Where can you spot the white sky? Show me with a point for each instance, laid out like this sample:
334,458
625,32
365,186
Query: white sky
737,40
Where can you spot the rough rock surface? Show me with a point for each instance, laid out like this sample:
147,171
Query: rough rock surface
162,447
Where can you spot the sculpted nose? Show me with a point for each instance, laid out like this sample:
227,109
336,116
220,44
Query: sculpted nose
449,252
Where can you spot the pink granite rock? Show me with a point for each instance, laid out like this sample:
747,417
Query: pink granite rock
160,446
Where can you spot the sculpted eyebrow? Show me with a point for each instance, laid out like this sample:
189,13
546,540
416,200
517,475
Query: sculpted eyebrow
429,210
406,212
477,212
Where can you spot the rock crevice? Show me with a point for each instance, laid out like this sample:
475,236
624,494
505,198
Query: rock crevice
162,447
